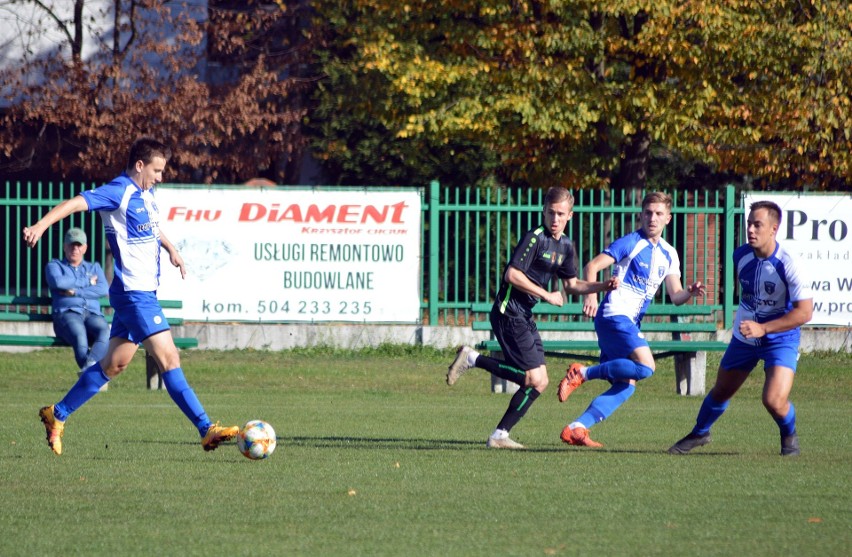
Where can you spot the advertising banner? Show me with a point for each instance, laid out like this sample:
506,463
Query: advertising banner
816,230
292,254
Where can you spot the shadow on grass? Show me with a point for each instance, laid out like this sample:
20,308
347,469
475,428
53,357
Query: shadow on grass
421,444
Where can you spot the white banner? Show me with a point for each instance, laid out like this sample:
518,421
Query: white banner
293,255
816,230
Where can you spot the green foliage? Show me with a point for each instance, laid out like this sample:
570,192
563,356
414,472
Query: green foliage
377,456
577,92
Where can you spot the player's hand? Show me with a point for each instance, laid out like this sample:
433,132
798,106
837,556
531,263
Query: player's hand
555,298
612,284
177,261
31,235
590,305
697,289
752,329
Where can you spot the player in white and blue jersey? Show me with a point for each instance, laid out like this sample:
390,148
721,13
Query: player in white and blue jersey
643,262
775,301
132,225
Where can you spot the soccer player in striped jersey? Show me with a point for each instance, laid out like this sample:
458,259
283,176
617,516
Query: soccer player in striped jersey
543,253
643,262
775,301
132,226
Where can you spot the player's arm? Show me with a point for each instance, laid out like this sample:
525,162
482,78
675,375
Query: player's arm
577,286
521,281
174,254
33,233
590,274
680,295
802,312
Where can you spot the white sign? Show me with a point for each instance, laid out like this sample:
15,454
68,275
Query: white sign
293,255
817,229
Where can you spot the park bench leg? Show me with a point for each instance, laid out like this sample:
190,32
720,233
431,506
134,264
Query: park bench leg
690,372
154,379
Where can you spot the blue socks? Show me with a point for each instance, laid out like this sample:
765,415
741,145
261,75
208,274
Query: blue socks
87,386
93,378
606,403
710,411
787,424
619,369
185,398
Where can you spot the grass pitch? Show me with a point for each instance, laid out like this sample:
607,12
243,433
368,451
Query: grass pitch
377,456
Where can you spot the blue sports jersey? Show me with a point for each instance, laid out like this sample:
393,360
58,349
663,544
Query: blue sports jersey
642,267
768,288
131,223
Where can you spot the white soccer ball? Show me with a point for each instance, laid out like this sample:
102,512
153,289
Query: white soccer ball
256,440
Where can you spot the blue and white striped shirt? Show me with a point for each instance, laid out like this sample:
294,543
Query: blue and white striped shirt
642,267
131,223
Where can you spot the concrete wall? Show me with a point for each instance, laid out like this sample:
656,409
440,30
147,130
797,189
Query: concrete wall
220,336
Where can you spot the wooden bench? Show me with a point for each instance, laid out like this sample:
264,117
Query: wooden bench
690,355
39,308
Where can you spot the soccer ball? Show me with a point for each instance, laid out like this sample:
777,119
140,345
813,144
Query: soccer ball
256,440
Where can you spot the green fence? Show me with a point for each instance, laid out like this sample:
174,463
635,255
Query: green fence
468,235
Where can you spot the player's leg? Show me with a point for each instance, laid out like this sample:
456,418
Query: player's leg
91,380
780,366
625,356
620,341
523,350
506,330
736,365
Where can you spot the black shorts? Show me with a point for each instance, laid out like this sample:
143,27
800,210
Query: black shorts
518,337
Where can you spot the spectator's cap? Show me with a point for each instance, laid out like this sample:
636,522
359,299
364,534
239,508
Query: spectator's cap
75,236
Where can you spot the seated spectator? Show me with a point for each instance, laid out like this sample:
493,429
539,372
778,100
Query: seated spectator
76,287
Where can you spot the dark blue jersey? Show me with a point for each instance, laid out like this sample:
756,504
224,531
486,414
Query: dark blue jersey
540,258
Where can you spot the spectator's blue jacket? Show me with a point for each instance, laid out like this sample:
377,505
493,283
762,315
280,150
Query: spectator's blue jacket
62,276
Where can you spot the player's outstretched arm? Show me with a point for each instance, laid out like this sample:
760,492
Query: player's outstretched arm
680,295
521,281
590,274
34,232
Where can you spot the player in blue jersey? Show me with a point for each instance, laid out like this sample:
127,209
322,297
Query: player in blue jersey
132,226
775,301
543,252
643,261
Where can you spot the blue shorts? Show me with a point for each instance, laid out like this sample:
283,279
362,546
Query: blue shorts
744,357
618,337
518,337
138,315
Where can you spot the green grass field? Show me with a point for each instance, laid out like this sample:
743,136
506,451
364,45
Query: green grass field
377,456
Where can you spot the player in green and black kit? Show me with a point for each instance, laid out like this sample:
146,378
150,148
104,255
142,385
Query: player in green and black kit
543,252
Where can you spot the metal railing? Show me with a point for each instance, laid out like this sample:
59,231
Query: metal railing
468,236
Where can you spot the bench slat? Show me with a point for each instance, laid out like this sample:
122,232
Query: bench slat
589,326
576,308
47,341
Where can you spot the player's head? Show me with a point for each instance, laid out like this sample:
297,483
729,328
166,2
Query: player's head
764,217
657,197
772,208
147,161
558,210
145,149
656,213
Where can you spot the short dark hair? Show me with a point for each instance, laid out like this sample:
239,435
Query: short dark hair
558,194
771,207
145,149
657,197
